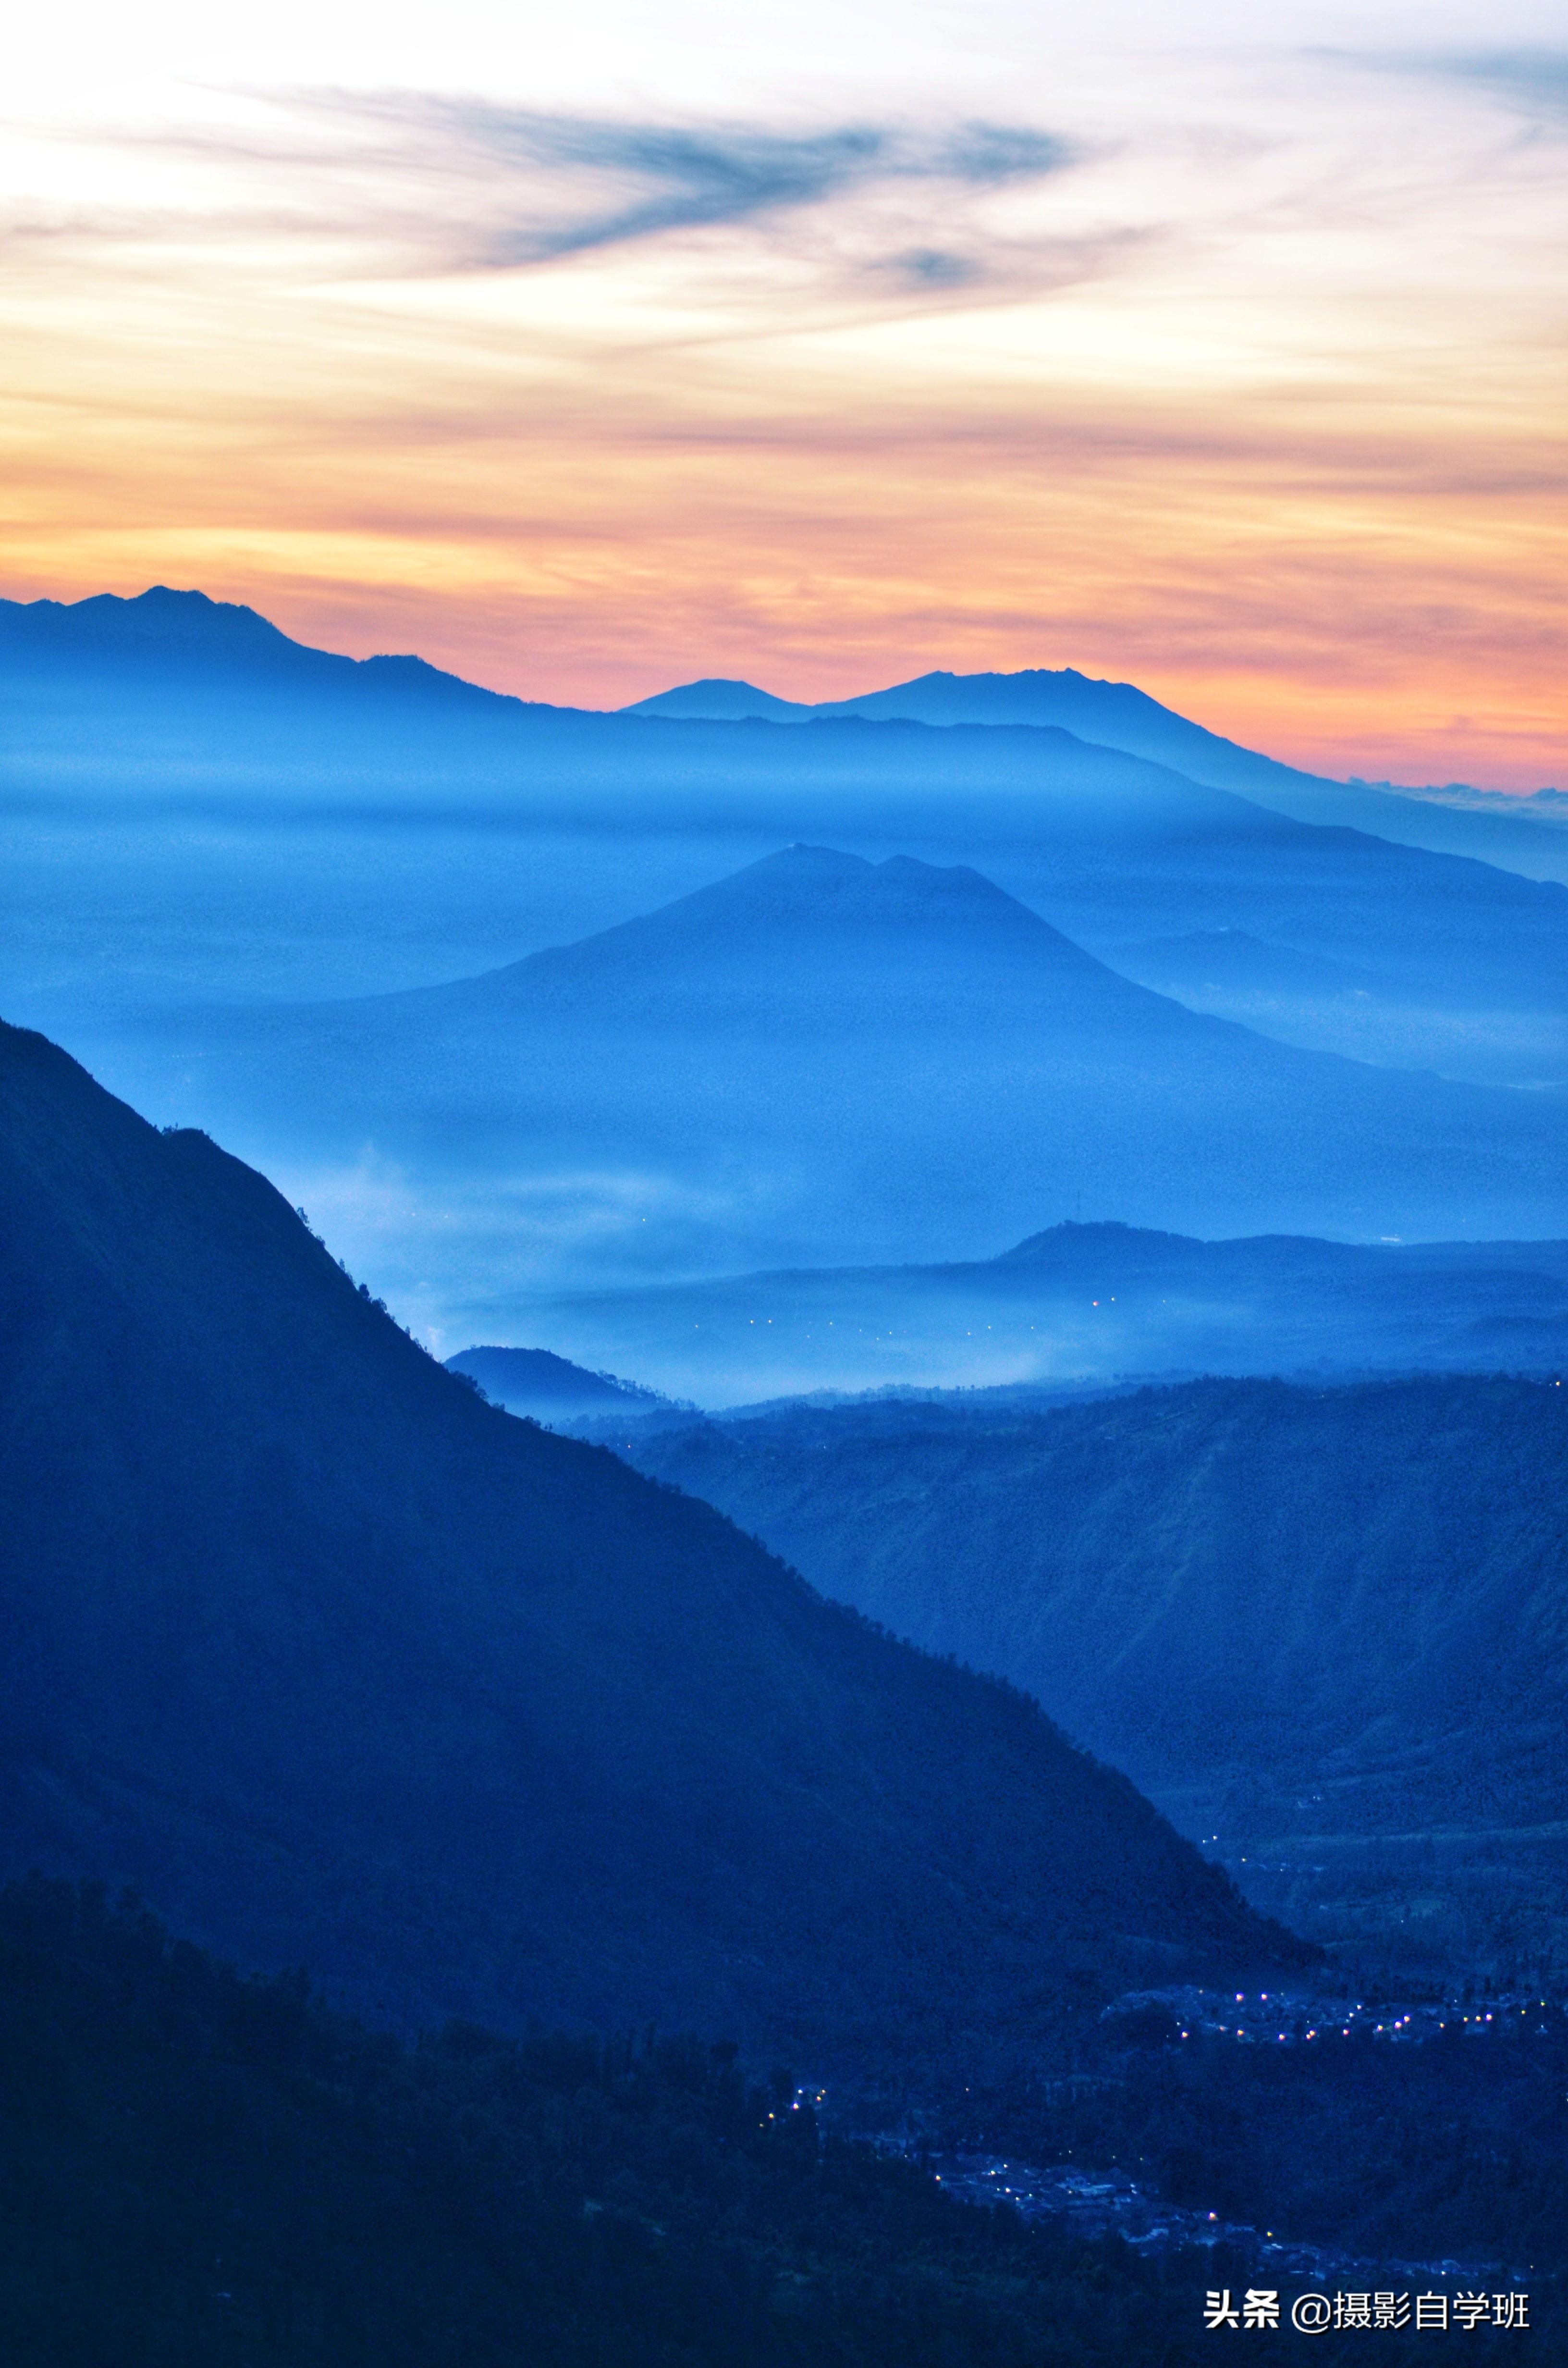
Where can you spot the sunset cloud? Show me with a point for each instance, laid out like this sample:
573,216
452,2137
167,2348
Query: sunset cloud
822,346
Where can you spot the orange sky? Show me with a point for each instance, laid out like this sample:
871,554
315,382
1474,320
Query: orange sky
1230,365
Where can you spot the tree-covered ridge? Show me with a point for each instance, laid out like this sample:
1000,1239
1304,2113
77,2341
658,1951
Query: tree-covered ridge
200,2170
1361,1591
1325,1628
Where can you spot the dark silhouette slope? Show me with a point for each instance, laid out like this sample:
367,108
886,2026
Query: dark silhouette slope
471,2203
345,1667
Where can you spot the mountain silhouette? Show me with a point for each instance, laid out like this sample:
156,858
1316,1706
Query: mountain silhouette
1119,715
1084,1307
719,698
343,1666
171,702
822,1060
164,639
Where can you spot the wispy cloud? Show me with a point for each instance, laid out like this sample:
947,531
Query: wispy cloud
655,177
1531,82
469,185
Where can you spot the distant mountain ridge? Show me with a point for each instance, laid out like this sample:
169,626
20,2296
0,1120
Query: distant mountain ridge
207,642
171,654
1089,1304
1119,715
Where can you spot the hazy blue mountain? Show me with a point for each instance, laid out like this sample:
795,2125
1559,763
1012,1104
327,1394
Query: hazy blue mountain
1214,963
824,1061
550,1388
342,1665
1119,715
275,807
719,700
1327,1005
1332,1613
165,640
1086,1306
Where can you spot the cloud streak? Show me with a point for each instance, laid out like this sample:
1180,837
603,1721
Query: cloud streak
512,187
1531,82
683,177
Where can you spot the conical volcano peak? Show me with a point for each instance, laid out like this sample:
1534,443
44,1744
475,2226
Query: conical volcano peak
813,899
720,698
818,880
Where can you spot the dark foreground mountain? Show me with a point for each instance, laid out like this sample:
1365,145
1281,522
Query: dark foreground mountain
1088,1305
821,1059
343,1666
1327,1628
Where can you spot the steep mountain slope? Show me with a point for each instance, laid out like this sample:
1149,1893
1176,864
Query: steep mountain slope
822,1060
343,1666
1314,1611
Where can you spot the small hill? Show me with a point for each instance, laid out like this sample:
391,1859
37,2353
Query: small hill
550,1388
1233,962
341,1667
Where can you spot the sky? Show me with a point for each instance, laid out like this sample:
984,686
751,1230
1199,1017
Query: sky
1216,347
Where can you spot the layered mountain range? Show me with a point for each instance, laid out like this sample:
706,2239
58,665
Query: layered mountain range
822,1059
1119,715
461,819
173,667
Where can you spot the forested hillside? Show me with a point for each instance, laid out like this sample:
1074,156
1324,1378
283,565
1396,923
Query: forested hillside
201,2171
1323,1613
